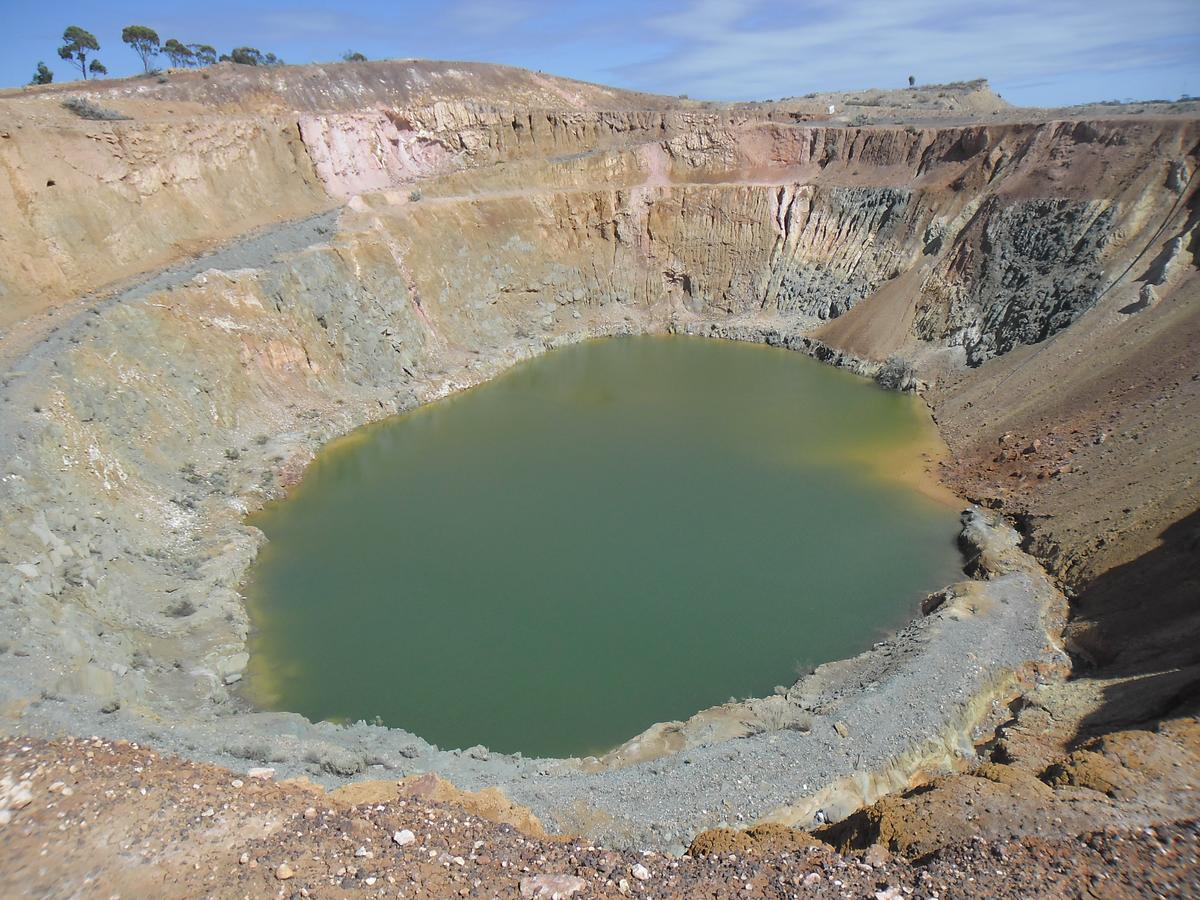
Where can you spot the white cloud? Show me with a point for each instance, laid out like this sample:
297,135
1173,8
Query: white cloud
490,18
301,23
745,47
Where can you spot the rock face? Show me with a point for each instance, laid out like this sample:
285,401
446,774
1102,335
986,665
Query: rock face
1016,275
483,217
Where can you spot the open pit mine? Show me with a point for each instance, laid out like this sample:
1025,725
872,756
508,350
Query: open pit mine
208,292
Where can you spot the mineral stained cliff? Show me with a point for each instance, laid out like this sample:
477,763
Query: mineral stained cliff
192,300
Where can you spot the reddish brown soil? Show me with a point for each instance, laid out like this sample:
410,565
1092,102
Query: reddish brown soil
113,819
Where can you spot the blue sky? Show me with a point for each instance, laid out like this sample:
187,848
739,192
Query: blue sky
1036,52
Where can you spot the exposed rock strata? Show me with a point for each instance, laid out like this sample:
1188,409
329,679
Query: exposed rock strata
139,431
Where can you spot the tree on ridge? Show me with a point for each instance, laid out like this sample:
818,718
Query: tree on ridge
76,44
247,56
177,53
252,56
43,75
203,54
144,42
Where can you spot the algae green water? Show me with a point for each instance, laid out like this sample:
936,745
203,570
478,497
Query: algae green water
615,534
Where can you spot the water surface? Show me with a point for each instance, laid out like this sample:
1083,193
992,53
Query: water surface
615,534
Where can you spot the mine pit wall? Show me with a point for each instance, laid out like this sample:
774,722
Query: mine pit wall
138,440
998,253
87,204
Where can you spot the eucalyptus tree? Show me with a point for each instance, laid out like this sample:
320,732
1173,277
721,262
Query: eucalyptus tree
77,44
247,56
203,54
178,53
144,42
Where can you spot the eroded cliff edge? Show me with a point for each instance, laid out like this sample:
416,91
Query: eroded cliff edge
1037,280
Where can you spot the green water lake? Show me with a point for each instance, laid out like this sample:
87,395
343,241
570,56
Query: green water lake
614,534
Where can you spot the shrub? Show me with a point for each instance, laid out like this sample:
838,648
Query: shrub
86,109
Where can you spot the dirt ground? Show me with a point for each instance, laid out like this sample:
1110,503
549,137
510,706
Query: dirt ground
98,819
